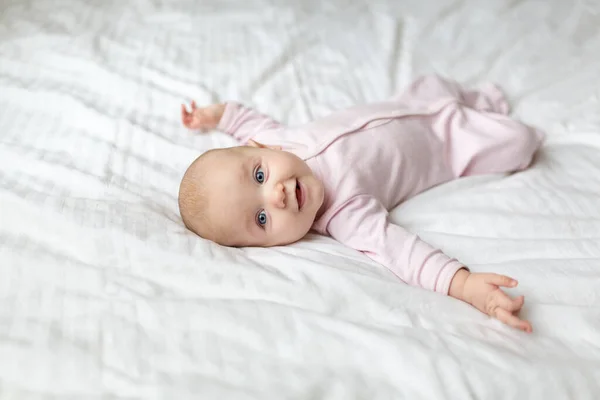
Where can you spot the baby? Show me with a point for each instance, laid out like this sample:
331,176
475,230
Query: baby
340,175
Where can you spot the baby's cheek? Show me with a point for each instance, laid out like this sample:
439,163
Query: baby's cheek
293,227
303,224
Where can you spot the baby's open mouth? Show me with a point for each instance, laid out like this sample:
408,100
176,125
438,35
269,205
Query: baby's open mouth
299,197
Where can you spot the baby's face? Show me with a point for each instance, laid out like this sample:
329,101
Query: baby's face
263,197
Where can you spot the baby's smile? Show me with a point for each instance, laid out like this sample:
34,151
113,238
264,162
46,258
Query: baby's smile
299,197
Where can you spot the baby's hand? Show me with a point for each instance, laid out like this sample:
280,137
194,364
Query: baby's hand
205,118
483,292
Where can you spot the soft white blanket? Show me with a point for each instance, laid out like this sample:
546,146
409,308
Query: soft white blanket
104,294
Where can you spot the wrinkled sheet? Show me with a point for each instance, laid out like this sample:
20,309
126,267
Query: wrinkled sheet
104,294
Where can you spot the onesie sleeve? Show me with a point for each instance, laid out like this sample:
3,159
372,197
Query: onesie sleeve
243,123
363,224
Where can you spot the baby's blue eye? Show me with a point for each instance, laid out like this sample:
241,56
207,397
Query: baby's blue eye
259,175
261,218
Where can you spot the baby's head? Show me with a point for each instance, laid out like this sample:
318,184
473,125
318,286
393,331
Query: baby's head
250,196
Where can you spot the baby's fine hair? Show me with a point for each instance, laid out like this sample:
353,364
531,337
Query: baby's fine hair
194,201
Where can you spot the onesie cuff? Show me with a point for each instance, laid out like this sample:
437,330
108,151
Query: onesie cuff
446,274
226,122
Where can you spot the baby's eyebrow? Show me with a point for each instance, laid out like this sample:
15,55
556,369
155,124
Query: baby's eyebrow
249,225
245,170
241,175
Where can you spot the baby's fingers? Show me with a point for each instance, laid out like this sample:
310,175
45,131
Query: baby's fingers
502,300
509,319
500,280
184,113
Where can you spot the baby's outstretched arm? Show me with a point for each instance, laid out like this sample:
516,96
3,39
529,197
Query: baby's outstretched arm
363,224
241,122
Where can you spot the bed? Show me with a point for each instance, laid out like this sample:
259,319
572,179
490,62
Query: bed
105,295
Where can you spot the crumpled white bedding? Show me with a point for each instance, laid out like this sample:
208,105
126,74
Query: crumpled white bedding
104,294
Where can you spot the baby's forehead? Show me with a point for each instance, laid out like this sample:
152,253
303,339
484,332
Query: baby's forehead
229,212
226,166
222,156
227,185
229,158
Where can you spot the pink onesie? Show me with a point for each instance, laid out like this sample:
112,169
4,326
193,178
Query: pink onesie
372,157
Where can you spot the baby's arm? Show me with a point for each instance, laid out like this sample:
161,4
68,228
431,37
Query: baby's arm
363,223
241,122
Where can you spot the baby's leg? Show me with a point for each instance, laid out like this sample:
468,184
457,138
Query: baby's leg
479,142
427,89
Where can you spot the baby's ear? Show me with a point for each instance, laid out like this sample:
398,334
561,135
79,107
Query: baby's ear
253,143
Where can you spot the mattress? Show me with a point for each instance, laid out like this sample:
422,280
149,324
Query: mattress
105,295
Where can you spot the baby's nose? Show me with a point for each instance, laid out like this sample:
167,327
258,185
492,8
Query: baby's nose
278,196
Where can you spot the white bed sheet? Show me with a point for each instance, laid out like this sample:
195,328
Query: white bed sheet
104,294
